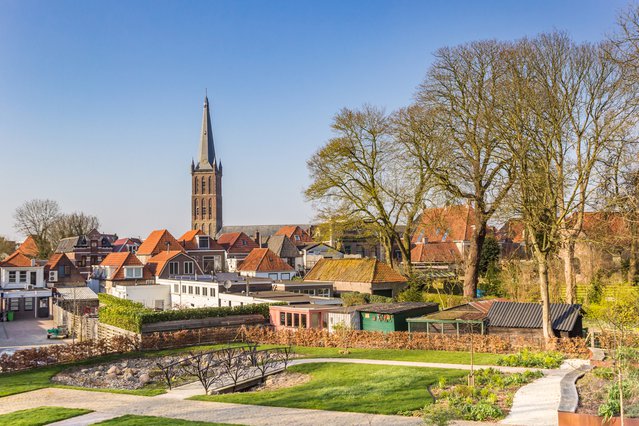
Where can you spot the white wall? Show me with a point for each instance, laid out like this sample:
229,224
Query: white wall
151,296
39,282
277,275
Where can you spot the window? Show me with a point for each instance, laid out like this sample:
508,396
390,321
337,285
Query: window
212,292
296,320
23,276
289,319
176,288
94,244
286,276
14,304
205,291
67,271
203,186
28,304
282,318
209,184
203,208
297,237
203,242
135,272
210,212
195,185
12,276
272,276
188,268
190,289
303,321
243,242
197,290
183,289
174,268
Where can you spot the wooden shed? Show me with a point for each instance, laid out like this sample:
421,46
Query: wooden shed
347,317
524,319
388,317
470,317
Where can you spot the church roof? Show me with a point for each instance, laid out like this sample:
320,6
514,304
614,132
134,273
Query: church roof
206,159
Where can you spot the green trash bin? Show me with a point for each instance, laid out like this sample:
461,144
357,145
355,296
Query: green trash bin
10,316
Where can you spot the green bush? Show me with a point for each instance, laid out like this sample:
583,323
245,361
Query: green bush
374,298
532,359
132,315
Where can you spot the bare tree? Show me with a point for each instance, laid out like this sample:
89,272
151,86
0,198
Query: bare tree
36,218
463,91
6,246
72,224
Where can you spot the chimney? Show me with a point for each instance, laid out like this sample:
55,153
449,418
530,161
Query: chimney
258,238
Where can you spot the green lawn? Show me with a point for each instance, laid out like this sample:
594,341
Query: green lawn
40,416
24,381
401,355
131,420
376,389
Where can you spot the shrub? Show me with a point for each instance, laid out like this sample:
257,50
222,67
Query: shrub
439,415
526,358
374,298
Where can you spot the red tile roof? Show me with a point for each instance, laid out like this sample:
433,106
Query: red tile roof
119,260
512,230
264,260
291,230
158,262
237,242
450,223
16,260
353,270
29,247
446,252
189,241
157,242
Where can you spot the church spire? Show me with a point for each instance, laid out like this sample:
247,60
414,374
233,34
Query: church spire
207,148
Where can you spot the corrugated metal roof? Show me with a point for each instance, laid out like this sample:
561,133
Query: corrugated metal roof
394,308
528,315
79,293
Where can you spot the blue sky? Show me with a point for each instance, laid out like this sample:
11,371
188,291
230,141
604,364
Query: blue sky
100,102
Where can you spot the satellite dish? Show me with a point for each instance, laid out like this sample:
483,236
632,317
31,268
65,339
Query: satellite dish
227,284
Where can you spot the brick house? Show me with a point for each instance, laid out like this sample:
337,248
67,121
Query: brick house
87,251
60,271
172,264
208,253
263,263
157,241
237,246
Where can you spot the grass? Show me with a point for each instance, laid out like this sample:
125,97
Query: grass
350,387
40,416
25,381
417,355
132,420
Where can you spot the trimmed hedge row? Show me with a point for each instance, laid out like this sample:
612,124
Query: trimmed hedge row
132,315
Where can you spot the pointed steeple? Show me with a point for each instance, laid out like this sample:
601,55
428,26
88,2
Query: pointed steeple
207,148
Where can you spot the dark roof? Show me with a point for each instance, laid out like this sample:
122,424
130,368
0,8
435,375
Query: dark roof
395,308
66,245
282,246
528,315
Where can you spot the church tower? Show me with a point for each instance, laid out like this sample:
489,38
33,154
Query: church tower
206,182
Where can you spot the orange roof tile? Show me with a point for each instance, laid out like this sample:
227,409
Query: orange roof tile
29,247
119,260
237,242
157,242
291,230
353,270
446,252
189,241
264,260
450,223
16,260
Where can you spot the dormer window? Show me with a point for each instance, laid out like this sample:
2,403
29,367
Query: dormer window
133,272
203,241
297,237
243,242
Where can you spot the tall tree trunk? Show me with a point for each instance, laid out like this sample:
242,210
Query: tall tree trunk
632,263
568,254
542,266
471,276
404,247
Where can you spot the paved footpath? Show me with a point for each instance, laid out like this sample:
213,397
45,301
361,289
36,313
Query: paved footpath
536,403
530,402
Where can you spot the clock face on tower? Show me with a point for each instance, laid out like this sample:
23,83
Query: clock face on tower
206,182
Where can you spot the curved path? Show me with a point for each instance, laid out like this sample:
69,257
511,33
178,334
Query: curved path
534,404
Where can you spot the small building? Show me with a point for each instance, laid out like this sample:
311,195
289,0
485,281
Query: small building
314,252
299,316
87,251
77,300
388,317
369,276
205,250
525,319
470,317
23,289
283,247
158,241
296,234
237,246
263,263
121,269
345,318
61,272
173,263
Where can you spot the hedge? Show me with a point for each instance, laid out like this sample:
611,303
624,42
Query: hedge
132,315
